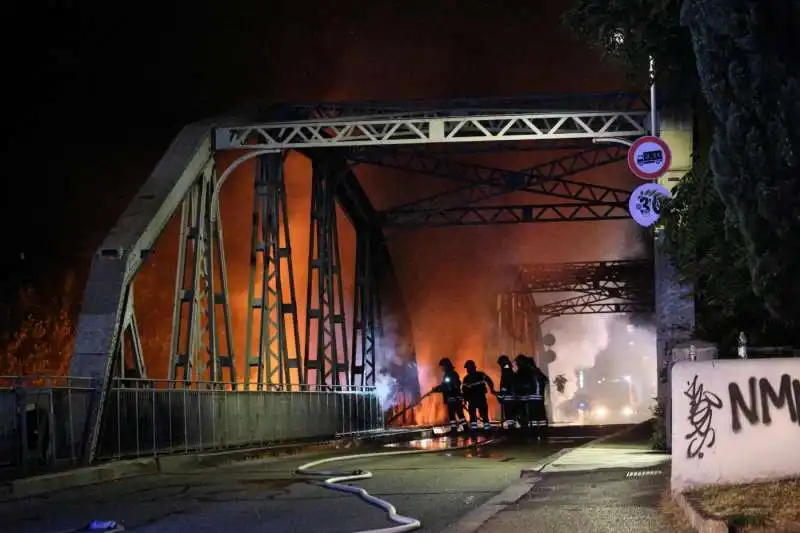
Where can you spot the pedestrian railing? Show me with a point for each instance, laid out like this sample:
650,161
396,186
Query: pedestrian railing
39,417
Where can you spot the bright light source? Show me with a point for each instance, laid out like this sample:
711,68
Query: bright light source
627,378
627,411
600,411
631,328
618,38
630,343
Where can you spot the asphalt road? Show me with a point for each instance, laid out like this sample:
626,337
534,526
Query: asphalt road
265,495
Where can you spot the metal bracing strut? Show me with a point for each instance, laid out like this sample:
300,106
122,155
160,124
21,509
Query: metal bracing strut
272,302
201,292
507,214
586,276
588,303
326,338
370,131
366,313
480,183
136,367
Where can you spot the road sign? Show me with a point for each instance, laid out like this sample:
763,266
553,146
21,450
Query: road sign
649,158
645,203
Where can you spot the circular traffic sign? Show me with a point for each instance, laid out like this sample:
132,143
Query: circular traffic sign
649,158
645,203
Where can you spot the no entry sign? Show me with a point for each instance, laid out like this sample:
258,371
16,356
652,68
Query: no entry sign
649,158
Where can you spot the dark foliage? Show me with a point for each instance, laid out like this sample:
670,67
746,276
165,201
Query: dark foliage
649,28
748,68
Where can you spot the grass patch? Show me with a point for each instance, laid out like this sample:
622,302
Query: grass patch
673,514
772,506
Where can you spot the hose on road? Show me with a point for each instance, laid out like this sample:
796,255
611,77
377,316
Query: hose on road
335,481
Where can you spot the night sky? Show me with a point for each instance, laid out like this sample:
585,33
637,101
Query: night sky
95,94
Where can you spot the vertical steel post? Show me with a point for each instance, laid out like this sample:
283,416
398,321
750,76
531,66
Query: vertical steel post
325,320
365,302
272,302
215,284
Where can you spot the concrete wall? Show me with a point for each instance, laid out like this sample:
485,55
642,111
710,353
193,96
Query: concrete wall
735,421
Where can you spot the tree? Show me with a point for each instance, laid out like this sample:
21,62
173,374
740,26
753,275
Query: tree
749,73
708,252
631,32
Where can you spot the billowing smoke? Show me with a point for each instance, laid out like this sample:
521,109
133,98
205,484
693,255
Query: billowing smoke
578,341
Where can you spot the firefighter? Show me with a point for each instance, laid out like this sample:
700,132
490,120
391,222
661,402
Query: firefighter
476,385
506,394
538,412
450,388
525,386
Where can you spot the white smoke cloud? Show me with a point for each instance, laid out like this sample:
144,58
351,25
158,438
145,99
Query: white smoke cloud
578,341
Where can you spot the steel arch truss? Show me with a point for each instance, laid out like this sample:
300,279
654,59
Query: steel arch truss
529,126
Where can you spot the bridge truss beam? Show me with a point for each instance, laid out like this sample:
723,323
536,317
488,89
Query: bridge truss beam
185,176
481,183
351,132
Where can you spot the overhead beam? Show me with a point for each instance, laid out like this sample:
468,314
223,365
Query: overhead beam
606,308
583,276
484,183
598,302
509,214
340,132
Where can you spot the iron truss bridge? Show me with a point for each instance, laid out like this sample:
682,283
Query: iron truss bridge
422,137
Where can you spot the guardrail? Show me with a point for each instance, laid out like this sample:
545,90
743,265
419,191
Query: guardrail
155,417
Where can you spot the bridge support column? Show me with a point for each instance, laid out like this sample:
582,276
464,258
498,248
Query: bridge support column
201,292
675,313
272,321
325,312
366,312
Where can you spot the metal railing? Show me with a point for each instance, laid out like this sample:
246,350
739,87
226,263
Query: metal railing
38,422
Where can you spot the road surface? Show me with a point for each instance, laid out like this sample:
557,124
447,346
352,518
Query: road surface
265,495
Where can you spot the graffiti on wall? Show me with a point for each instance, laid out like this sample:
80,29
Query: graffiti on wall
702,404
762,398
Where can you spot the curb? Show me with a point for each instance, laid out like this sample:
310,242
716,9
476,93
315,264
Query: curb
80,477
477,517
699,523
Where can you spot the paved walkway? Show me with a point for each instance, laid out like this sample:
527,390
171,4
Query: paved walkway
606,488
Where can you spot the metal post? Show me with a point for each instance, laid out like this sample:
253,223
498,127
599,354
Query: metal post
364,314
325,320
217,303
653,125
187,289
276,328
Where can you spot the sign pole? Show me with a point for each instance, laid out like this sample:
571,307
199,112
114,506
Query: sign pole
653,130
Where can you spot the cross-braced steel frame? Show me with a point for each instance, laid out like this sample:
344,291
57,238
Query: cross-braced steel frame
336,137
625,287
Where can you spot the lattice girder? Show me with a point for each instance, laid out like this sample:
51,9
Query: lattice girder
369,131
484,183
507,214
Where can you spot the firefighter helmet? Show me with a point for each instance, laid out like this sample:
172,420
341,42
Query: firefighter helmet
446,362
470,365
503,360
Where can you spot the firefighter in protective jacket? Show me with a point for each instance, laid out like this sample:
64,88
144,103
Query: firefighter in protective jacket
506,395
531,384
450,388
476,385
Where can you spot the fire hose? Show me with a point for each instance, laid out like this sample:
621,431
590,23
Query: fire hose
409,407
336,481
